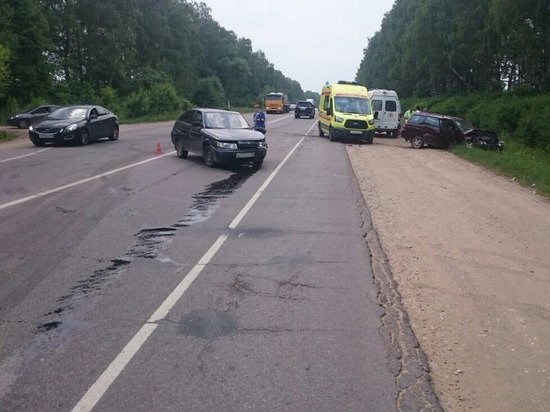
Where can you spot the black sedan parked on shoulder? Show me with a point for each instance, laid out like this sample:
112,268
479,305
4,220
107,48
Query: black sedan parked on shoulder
219,136
24,119
75,124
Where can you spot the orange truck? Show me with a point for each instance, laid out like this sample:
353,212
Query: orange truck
277,103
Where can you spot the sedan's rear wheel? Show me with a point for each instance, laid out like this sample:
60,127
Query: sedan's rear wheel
417,142
208,156
181,152
23,124
84,137
114,134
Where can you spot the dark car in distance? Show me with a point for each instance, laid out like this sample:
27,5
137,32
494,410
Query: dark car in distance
437,130
219,136
304,108
75,124
24,119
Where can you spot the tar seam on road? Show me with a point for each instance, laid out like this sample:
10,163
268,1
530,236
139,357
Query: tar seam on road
27,155
80,182
102,384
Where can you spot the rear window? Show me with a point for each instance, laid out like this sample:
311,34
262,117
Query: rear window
391,106
377,105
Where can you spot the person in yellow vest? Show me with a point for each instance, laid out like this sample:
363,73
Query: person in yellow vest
408,114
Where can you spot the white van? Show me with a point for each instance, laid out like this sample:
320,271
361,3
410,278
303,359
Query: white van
386,103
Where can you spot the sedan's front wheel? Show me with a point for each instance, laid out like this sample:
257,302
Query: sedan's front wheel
417,142
180,151
208,156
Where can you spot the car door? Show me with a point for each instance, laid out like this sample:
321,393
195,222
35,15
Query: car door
450,132
95,124
195,136
431,131
104,118
377,107
390,117
38,114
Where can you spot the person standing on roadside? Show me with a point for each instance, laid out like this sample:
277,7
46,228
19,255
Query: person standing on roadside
408,114
259,119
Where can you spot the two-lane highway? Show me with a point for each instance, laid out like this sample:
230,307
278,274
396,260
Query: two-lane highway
136,281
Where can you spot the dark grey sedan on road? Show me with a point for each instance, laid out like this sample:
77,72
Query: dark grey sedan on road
220,136
75,124
24,119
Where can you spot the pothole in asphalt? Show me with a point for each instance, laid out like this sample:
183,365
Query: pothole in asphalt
207,324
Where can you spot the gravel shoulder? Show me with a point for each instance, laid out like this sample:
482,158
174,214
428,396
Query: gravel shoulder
470,252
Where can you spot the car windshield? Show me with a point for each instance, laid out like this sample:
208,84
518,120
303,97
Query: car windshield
464,125
69,113
274,97
225,121
354,105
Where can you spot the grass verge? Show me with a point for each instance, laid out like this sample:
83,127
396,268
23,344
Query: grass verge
6,136
164,117
529,167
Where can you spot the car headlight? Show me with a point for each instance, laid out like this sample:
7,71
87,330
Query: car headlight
339,119
70,128
262,145
225,145
31,129
371,121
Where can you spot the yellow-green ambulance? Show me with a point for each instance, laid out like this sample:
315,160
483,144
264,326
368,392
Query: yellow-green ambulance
345,112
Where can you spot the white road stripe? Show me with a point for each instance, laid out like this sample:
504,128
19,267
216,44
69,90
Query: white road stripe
102,384
79,182
259,192
278,120
22,156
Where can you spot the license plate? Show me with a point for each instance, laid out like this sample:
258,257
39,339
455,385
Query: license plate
244,155
355,132
45,136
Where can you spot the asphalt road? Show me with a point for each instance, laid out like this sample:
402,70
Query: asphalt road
167,285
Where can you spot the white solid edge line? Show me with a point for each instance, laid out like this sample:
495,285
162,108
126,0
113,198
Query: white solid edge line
27,155
259,192
102,384
79,182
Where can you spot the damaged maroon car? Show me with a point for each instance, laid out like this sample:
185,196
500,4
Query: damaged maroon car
437,130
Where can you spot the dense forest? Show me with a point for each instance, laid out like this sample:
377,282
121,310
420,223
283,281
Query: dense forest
433,47
137,57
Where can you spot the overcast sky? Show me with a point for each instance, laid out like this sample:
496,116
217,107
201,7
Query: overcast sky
310,41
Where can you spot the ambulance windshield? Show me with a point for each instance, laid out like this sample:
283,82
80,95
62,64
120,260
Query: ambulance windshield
352,105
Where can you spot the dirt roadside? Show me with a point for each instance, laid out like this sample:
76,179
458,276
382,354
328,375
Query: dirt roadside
470,252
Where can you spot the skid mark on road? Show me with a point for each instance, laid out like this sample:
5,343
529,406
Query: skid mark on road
149,245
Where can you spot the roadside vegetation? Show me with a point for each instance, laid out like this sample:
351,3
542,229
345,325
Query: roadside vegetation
488,62
520,118
6,136
142,60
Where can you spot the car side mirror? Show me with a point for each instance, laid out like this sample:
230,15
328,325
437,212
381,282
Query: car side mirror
329,111
93,116
376,115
